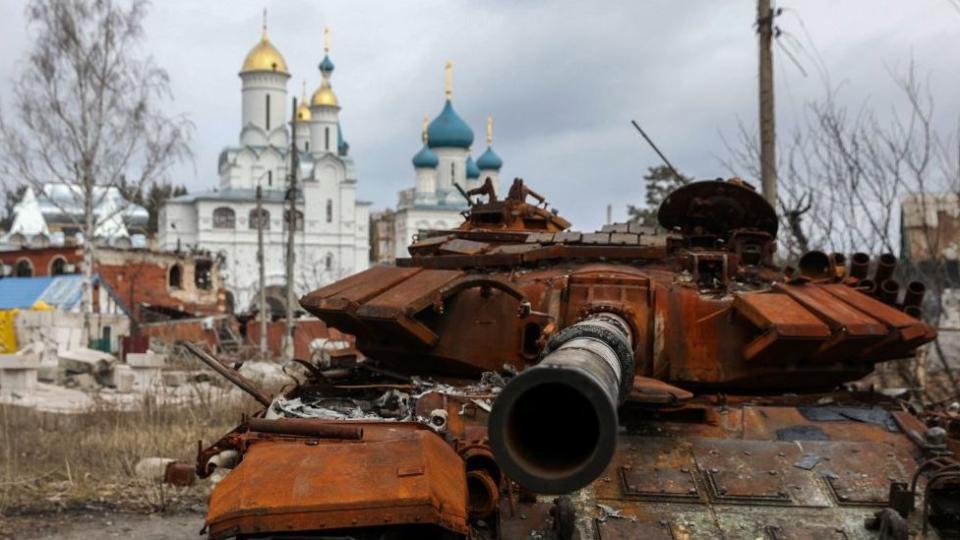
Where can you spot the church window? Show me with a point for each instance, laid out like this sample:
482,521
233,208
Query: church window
329,210
328,262
453,172
24,268
175,277
306,145
263,219
58,266
326,138
224,218
268,112
286,220
270,178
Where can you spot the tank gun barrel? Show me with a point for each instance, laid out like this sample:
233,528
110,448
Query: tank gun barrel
553,428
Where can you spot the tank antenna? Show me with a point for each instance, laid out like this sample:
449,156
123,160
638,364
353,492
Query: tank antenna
655,149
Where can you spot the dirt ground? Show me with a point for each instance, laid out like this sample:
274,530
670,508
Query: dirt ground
76,525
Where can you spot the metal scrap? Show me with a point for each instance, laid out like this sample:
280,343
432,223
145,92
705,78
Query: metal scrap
807,462
607,512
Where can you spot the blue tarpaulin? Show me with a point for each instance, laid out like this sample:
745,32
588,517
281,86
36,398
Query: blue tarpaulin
61,292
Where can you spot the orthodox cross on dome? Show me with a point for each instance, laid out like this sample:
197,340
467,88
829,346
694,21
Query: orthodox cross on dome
264,37
326,39
423,129
448,79
489,130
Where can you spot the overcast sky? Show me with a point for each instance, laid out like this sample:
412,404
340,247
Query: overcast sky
562,79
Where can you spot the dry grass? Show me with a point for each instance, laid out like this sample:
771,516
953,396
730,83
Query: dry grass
88,461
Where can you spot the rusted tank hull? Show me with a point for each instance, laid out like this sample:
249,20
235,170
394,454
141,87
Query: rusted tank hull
819,466
679,381
394,477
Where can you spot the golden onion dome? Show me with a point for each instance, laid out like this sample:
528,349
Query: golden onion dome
264,57
324,96
303,112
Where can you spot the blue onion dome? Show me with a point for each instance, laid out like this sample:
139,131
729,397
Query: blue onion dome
343,147
326,65
425,158
448,130
472,170
489,161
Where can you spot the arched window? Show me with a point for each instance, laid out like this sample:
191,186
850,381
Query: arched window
326,138
175,277
268,112
286,220
263,220
306,145
24,268
329,210
58,266
453,172
224,218
270,178
328,262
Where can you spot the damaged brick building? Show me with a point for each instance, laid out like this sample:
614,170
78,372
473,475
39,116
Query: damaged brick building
152,285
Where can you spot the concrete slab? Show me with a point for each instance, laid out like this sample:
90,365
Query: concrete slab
122,378
146,378
17,382
18,373
84,360
146,360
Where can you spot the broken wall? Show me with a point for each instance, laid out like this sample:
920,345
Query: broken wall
194,330
142,278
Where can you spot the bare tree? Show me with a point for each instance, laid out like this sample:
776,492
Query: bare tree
844,172
87,112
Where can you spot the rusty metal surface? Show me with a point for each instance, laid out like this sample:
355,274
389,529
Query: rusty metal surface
393,476
735,425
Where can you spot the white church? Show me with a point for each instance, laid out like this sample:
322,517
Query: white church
443,162
332,237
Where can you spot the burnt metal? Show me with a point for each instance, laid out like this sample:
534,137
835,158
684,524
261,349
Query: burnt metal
833,413
839,263
306,427
179,474
886,264
553,428
231,375
816,265
889,291
676,376
902,498
859,265
484,494
914,294
867,286
718,208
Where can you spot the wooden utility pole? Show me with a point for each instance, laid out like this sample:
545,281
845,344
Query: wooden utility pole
263,276
768,160
291,236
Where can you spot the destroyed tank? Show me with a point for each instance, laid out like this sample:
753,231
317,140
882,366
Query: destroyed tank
514,379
